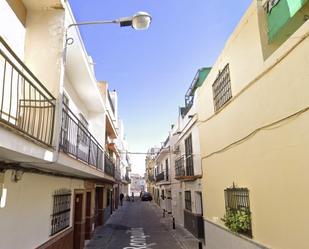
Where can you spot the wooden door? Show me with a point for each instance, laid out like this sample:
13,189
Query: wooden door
88,226
79,225
99,206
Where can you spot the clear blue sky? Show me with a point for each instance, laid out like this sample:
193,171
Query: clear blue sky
151,70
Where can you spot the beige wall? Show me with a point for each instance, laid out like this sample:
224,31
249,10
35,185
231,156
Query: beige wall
272,162
27,199
44,46
19,8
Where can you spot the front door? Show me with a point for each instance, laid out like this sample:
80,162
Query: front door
88,216
79,225
98,206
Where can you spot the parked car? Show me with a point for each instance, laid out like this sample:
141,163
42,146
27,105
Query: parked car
146,196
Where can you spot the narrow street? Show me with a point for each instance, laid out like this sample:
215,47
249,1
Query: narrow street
140,225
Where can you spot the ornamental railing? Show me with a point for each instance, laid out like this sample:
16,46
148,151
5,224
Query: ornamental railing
160,177
180,167
25,103
77,141
184,166
109,165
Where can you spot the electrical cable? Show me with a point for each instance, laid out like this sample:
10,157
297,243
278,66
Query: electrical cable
253,133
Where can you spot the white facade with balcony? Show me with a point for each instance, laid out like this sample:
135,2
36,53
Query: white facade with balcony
53,125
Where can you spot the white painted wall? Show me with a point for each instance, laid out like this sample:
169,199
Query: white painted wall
26,218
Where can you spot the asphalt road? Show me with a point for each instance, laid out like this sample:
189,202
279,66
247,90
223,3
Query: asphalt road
135,225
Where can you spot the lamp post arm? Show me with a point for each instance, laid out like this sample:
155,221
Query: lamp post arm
81,24
90,23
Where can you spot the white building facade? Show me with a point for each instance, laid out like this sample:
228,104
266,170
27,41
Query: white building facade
57,175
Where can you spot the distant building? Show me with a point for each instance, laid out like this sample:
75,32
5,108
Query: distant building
137,183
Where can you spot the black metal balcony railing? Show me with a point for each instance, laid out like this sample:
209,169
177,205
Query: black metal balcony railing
189,166
160,177
25,104
127,178
110,102
184,166
117,175
77,141
109,166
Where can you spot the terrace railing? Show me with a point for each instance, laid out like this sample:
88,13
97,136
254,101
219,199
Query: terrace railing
25,103
180,167
109,165
184,168
77,141
160,177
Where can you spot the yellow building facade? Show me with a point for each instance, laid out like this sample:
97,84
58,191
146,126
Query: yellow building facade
253,123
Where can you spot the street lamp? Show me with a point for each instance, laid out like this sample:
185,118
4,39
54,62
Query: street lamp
140,21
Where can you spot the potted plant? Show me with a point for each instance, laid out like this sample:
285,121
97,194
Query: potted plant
238,220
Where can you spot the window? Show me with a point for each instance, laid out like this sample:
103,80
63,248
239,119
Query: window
61,210
166,169
238,207
236,198
222,88
108,196
189,156
162,194
188,203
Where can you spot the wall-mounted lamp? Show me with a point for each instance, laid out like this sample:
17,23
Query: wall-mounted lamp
17,175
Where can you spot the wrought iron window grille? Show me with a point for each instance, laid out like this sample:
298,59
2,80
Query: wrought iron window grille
188,203
189,156
221,88
237,199
60,218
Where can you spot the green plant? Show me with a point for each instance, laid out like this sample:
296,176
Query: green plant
238,220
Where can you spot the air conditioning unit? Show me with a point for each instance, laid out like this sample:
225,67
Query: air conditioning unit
176,149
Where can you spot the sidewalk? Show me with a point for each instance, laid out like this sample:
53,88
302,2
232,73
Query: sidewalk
103,234
183,237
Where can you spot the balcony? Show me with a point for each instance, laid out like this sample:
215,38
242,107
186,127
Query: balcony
284,17
109,165
78,142
184,169
194,224
127,178
160,177
25,104
111,102
117,175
